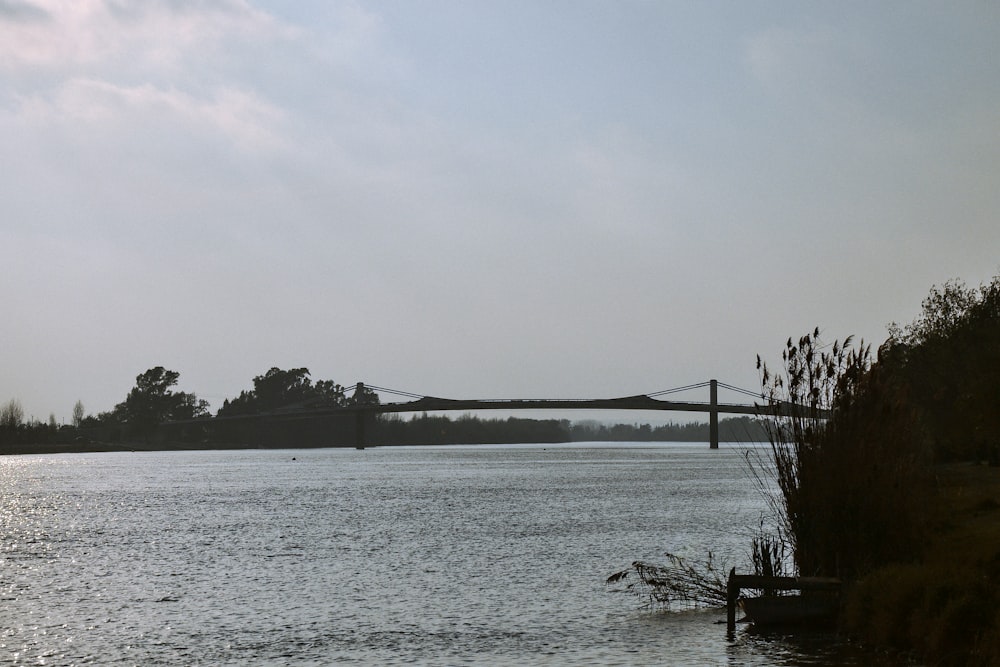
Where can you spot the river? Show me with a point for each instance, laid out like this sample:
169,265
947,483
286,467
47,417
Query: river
458,555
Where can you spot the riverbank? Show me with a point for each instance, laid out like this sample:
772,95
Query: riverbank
943,609
139,446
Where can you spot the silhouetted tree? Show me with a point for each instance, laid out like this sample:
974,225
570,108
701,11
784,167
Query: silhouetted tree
11,415
328,392
363,397
278,388
11,421
948,359
151,402
285,389
188,406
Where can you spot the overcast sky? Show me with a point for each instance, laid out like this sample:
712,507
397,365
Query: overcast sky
545,199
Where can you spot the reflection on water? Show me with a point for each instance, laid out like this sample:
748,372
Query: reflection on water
453,555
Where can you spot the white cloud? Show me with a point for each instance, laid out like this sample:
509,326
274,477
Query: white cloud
76,34
21,12
84,105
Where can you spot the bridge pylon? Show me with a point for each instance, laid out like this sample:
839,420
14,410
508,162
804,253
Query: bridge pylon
713,414
363,418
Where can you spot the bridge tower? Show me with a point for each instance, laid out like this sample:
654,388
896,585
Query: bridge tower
361,417
713,414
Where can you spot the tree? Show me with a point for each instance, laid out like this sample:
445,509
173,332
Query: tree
943,311
278,388
151,401
147,404
363,396
329,392
948,359
189,406
282,389
11,415
78,414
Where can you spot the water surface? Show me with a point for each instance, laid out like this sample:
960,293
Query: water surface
441,556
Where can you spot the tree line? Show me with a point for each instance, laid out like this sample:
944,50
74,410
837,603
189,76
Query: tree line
153,402
471,429
731,429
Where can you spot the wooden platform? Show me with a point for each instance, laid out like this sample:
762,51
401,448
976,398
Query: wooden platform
779,609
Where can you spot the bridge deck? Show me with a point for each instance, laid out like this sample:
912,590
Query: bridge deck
431,404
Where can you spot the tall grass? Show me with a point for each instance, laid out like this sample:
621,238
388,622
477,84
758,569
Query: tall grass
848,465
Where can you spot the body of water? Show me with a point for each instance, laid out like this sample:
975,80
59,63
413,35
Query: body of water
438,555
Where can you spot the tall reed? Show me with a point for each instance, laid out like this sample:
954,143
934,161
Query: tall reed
848,465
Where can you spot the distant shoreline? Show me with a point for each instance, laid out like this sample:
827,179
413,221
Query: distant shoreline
35,449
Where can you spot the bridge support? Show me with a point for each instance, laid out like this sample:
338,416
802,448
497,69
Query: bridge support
713,414
361,418
359,429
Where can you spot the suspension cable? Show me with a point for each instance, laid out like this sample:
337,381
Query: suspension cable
678,389
664,392
747,392
397,392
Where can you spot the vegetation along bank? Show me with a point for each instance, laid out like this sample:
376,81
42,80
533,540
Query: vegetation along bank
887,477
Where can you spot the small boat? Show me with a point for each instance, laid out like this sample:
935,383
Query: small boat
789,610
817,602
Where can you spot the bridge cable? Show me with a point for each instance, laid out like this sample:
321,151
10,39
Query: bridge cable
397,392
699,385
747,392
678,389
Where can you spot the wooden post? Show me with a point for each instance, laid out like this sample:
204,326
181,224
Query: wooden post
713,414
732,593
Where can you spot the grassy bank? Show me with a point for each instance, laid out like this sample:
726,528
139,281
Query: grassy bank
943,609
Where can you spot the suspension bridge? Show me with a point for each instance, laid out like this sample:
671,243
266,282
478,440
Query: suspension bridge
363,409
651,401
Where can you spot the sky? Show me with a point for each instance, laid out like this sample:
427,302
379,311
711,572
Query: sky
545,199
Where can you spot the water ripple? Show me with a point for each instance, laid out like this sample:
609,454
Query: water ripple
454,556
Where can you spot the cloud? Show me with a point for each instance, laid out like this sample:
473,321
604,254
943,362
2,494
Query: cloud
77,34
21,12
241,116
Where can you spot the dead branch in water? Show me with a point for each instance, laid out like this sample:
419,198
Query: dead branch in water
676,585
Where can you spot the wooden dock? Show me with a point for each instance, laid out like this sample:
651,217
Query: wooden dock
738,582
